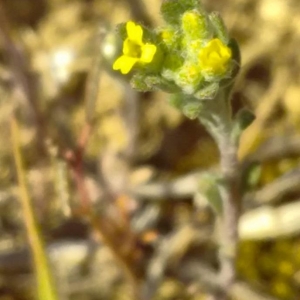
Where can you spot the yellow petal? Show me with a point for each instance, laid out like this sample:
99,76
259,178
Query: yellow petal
218,46
226,52
215,56
214,45
134,32
148,52
124,64
131,49
126,47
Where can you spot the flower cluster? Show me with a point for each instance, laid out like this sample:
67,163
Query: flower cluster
191,55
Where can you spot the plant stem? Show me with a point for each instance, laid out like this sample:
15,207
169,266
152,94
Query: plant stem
216,117
231,198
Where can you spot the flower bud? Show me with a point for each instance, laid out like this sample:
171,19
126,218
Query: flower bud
189,77
214,58
195,25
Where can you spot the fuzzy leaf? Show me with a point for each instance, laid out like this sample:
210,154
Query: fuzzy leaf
208,189
208,92
219,27
243,119
192,110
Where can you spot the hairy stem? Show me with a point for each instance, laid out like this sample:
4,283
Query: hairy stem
216,117
231,199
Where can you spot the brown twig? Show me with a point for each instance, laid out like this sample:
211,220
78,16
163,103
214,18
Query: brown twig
74,158
22,77
208,277
110,223
276,190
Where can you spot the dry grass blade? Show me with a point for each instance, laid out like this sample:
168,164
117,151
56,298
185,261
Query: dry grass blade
45,285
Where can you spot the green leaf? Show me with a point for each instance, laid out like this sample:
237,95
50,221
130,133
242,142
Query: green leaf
138,82
251,176
208,92
192,110
243,119
208,189
176,100
219,27
236,56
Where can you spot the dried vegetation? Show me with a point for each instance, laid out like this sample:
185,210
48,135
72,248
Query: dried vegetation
113,174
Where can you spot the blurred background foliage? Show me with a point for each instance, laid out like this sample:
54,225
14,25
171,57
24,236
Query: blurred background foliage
92,146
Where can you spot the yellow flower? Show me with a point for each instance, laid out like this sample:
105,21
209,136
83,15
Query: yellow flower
134,49
214,57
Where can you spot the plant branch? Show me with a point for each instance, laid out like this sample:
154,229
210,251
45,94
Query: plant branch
25,84
208,277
